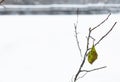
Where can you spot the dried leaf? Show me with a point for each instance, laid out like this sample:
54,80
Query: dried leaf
92,55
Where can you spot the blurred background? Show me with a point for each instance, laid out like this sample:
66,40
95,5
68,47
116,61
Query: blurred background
59,6
40,2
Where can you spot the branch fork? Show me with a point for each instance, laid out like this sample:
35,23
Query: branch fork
87,47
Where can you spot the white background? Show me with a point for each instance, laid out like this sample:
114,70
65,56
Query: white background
43,48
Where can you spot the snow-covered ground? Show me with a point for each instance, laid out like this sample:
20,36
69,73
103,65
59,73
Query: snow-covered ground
43,48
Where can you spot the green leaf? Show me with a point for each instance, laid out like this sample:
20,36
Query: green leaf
92,55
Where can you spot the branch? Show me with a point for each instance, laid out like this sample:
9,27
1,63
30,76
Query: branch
76,34
84,56
90,71
93,69
106,33
101,22
87,46
82,76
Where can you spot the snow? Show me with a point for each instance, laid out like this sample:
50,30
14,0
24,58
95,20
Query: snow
42,48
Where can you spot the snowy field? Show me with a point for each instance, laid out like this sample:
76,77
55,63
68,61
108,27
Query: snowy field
43,48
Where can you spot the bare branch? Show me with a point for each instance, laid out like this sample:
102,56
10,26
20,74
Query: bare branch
88,38
85,55
106,33
93,69
101,22
92,38
87,46
82,76
90,71
76,34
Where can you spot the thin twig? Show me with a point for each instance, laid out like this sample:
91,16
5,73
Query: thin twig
101,22
90,71
106,33
92,38
93,69
82,76
76,34
87,46
88,38
84,56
